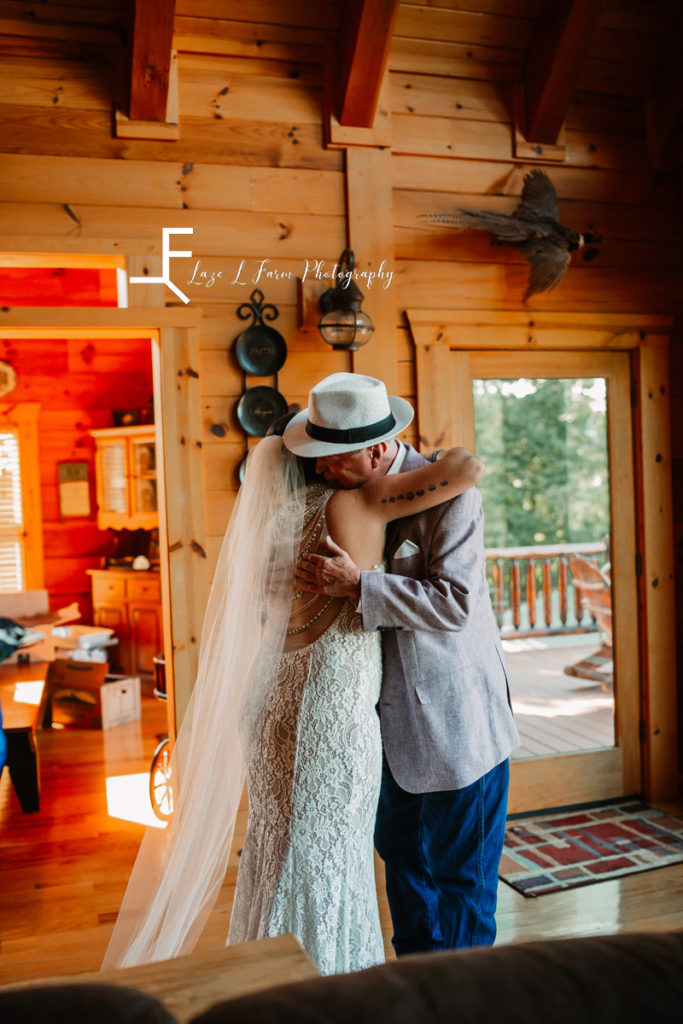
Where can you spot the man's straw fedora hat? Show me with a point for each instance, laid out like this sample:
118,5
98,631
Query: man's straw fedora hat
346,411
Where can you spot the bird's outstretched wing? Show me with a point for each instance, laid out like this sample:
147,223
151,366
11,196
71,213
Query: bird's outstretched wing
549,261
538,197
505,228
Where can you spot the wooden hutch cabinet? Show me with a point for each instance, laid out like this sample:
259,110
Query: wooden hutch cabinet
129,602
125,468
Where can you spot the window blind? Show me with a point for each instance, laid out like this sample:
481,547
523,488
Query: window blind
12,576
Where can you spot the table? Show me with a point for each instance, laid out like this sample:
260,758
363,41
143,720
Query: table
21,717
188,985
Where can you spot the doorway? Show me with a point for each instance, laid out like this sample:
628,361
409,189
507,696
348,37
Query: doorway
560,494
179,462
465,362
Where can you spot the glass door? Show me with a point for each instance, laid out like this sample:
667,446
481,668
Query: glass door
144,476
554,430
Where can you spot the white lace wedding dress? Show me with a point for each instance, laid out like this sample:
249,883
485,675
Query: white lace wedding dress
313,773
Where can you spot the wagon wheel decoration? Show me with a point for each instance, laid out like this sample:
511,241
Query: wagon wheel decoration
160,783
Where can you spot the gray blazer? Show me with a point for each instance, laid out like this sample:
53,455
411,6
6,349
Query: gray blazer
445,703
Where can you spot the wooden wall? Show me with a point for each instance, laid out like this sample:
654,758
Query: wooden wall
448,105
77,383
676,384
453,95
251,175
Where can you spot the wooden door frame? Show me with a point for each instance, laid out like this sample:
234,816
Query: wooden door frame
174,334
611,772
444,337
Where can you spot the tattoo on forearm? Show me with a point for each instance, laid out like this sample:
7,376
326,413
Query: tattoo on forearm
411,495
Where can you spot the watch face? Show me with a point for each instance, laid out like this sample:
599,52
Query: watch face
8,379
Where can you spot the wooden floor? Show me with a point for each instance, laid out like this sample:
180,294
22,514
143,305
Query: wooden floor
557,713
64,869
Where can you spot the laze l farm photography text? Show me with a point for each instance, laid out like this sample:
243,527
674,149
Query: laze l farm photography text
257,271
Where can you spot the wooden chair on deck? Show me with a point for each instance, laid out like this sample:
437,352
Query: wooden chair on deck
595,590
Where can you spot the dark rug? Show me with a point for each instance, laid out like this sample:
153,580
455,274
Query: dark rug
572,848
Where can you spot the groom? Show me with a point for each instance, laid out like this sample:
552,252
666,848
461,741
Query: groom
446,718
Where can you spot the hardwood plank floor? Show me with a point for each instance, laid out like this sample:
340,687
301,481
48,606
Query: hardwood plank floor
64,869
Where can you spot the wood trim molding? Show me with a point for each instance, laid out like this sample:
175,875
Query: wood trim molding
184,575
529,788
448,341
93,322
444,392
658,606
182,529
80,261
474,329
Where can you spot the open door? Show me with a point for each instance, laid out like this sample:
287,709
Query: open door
567,601
179,469
580,739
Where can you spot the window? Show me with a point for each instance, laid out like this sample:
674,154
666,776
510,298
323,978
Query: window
21,525
12,573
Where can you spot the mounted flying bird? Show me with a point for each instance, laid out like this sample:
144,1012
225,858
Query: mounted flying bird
533,228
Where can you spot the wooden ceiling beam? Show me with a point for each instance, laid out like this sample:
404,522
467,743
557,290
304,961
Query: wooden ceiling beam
365,39
665,121
553,64
150,59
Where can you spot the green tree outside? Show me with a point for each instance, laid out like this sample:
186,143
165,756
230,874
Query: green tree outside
544,443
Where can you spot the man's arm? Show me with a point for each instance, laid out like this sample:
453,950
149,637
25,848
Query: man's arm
454,567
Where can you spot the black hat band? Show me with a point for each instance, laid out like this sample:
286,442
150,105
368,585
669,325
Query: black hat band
353,434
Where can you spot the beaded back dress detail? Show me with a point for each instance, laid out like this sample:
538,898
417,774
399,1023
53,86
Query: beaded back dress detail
313,753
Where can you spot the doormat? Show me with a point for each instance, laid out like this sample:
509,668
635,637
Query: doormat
568,849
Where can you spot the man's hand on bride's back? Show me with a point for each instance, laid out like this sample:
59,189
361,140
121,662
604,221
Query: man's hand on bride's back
336,574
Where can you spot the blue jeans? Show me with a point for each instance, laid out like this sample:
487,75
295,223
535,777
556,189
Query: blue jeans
441,853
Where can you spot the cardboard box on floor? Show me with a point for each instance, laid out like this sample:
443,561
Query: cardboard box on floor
81,694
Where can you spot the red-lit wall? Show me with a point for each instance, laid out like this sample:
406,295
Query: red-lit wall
77,383
57,286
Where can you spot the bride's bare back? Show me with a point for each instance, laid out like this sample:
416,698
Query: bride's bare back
356,520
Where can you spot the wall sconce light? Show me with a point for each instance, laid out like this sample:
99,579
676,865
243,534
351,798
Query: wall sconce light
343,324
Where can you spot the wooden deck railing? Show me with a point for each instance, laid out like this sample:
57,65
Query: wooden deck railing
533,593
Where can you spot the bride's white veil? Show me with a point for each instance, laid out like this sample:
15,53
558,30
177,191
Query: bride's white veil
179,871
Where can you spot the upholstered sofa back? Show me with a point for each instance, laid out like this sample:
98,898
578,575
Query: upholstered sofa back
619,979
616,979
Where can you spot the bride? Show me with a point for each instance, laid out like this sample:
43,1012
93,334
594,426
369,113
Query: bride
287,686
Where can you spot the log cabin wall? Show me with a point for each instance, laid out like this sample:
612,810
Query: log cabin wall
454,71
77,385
250,172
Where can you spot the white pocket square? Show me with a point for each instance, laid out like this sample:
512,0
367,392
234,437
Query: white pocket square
406,549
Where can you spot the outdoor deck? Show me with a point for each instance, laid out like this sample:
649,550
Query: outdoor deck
555,712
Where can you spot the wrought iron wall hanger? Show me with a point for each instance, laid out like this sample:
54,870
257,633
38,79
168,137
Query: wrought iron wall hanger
260,351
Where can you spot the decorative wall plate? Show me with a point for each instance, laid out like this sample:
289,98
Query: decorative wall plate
258,408
260,350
